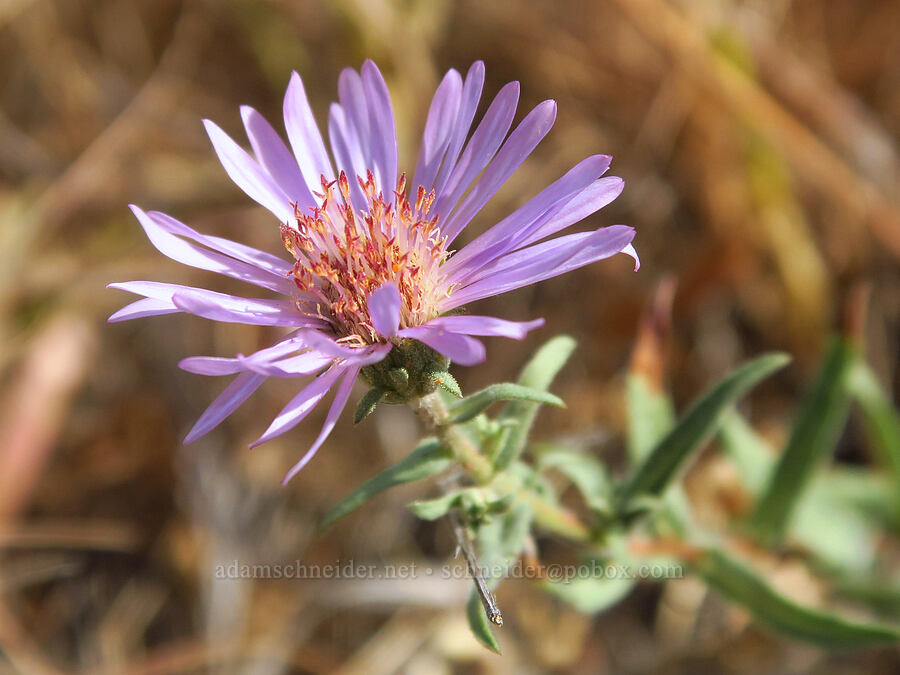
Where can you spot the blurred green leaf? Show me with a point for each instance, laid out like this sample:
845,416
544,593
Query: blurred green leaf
538,374
741,585
650,416
432,509
695,428
427,459
590,595
500,542
751,454
587,473
815,433
467,408
882,418
479,624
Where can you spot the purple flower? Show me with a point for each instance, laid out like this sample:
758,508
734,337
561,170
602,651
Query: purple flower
372,267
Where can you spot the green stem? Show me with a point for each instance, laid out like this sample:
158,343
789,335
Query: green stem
432,408
551,517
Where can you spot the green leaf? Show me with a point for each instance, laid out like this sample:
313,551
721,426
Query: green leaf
432,509
470,406
650,416
751,454
500,542
428,458
537,374
695,428
741,585
586,473
479,623
882,418
367,404
815,433
590,595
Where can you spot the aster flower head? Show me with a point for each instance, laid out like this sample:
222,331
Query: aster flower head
372,284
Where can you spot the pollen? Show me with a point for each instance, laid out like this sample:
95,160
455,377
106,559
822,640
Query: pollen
343,254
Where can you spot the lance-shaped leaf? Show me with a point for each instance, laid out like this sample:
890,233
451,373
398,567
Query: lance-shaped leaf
538,374
479,623
650,415
467,408
590,595
586,473
429,458
814,435
751,454
741,585
694,429
432,509
882,418
500,542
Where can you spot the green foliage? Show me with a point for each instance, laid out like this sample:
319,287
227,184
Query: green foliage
538,374
479,624
881,417
661,465
741,585
586,472
814,435
430,457
367,404
467,408
650,415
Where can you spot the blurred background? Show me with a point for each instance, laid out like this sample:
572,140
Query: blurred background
758,142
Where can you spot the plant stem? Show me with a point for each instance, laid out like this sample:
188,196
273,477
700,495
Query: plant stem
551,517
432,408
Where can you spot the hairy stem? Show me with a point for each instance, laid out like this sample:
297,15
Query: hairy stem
551,517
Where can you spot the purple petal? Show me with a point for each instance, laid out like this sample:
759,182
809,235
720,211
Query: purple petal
213,366
337,407
384,308
253,311
248,175
142,308
506,235
590,200
301,405
542,261
348,153
517,148
471,95
309,150
462,349
485,325
320,342
352,96
276,158
190,254
439,128
480,149
383,139
265,261
226,403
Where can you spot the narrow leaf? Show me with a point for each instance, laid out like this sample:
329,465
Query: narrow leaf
741,585
469,407
586,473
695,428
432,509
753,457
429,458
537,374
650,416
882,418
367,404
590,595
814,435
479,624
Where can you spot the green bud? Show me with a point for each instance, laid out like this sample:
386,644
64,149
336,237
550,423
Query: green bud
407,372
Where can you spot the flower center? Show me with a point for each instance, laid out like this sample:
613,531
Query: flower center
343,255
